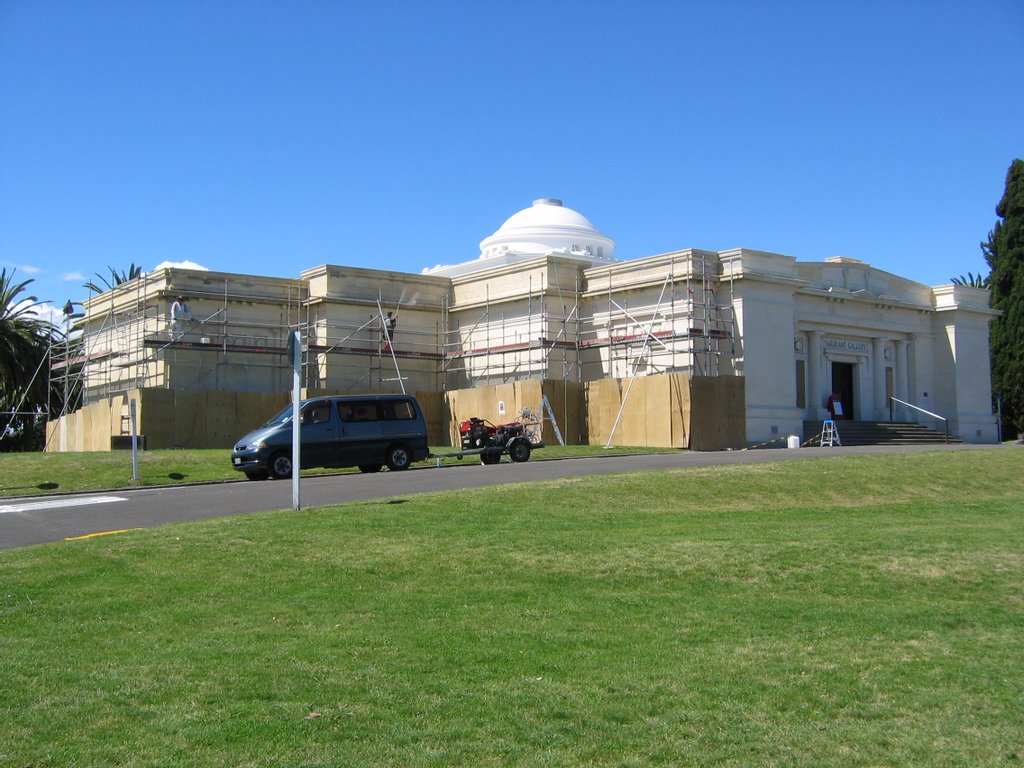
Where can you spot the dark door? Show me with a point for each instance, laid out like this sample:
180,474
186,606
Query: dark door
360,433
319,435
842,385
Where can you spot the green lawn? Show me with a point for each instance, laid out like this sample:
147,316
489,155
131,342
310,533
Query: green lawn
858,611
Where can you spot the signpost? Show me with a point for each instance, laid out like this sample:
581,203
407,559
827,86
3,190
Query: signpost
135,442
295,355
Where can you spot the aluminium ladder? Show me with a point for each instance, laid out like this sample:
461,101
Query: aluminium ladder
829,434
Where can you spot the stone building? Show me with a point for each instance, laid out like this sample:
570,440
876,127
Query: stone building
690,349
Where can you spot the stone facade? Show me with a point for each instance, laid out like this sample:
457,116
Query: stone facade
795,332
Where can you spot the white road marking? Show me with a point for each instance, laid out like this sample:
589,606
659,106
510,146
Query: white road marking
69,501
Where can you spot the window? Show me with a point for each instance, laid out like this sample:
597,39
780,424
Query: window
366,412
317,413
356,412
399,410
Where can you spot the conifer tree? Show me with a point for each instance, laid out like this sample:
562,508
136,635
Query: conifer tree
1004,253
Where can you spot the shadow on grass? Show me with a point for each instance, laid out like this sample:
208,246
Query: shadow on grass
37,486
176,476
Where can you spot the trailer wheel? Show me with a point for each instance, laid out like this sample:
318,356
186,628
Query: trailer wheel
520,451
490,457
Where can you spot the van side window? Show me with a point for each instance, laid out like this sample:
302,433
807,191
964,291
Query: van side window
399,410
359,412
317,413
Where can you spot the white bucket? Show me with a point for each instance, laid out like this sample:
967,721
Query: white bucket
792,441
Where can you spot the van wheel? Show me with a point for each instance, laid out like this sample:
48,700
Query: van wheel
520,451
398,457
280,466
256,475
367,469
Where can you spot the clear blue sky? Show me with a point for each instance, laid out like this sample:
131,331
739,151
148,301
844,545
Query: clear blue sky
267,138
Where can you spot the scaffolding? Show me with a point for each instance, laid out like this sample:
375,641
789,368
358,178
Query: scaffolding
686,330
669,318
352,356
126,341
691,331
496,344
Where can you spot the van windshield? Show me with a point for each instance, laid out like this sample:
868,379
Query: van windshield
282,417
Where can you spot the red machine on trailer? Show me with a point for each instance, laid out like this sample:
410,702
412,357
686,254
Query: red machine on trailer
491,441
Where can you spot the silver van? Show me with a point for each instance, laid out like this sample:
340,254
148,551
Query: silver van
365,431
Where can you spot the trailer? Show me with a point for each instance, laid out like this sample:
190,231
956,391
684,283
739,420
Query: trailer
490,441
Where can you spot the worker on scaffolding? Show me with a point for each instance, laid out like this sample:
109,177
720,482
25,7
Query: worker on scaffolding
388,331
68,313
179,314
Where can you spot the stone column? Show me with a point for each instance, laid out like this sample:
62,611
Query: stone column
814,379
913,392
878,377
899,378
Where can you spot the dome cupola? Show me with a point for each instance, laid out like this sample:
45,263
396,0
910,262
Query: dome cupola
546,227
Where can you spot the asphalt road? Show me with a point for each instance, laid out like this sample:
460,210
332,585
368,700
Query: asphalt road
39,519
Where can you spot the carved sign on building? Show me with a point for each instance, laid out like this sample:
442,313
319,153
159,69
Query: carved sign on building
850,346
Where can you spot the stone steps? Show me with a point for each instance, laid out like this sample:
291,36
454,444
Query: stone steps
879,433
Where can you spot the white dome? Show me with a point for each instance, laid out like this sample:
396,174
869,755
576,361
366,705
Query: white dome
545,227
546,212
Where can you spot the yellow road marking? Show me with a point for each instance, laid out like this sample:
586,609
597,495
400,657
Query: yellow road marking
101,533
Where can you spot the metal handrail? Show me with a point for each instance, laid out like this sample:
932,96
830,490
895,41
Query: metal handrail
943,419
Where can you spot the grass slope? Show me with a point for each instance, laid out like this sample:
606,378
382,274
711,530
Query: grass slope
32,474
862,611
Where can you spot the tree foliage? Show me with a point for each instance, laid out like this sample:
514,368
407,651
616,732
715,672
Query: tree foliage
24,382
116,278
1004,252
971,280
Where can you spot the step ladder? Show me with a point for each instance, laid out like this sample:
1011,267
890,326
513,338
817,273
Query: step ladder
829,434
545,407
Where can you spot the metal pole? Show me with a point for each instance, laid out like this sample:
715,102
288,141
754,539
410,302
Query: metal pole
295,348
135,443
999,418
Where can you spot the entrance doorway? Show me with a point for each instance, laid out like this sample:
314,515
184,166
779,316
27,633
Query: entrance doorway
842,385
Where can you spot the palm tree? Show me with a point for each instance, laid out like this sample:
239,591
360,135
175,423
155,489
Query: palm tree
24,342
116,278
971,280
